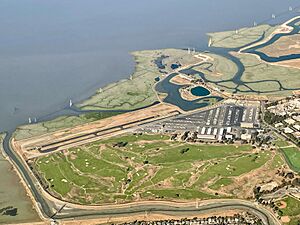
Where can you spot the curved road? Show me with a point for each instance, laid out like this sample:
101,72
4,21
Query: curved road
178,209
49,209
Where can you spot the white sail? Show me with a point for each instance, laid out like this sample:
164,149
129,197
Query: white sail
70,103
29,120
209,42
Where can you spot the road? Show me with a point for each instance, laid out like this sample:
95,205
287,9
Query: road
48,207
179,209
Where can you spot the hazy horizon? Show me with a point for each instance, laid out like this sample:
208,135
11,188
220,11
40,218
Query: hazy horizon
51,51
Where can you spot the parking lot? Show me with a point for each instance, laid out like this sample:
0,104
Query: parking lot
211,120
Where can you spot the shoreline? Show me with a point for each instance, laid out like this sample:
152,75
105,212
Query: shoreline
22,185
106,205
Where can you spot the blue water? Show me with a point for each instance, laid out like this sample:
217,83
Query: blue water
51,51
200,91
174,96
276,37
237,77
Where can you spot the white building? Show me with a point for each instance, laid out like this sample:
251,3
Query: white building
206,136
246,137
297,127
288,130
290,121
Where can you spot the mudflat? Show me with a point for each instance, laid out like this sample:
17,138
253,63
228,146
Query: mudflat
15,205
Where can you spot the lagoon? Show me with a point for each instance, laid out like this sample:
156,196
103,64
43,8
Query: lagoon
200,91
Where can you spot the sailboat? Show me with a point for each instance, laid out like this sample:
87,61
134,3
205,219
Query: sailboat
70,103
209,42
29,120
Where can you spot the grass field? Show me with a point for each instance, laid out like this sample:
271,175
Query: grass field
221,183
136,167
292,155
30,130
292,210
138,92
231,39
281,143
293,207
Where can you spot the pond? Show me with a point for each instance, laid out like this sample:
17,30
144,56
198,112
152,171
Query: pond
200,91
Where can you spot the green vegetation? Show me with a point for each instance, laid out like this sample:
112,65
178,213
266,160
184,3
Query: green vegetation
31,130
293,207
244,36
277,162
177,193
294,221
99,115
292,210
272,118
138,91
256,70
221,183
259,77
135,166
218,68
292,155
281,143
233,167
